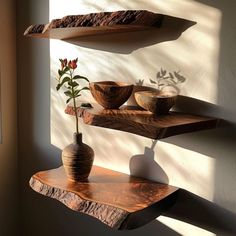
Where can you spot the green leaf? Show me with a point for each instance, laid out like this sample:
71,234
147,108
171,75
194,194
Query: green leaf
77,95
80,77
68,100
68,94
66,69
84,88
152,81
58,86
76,92
60,72
73,84
66,79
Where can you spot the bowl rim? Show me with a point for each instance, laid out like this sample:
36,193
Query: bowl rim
157,94
115,83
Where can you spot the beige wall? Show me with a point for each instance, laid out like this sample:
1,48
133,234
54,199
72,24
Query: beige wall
188,161
8,145
202,163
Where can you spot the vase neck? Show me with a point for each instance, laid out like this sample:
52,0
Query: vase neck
77,138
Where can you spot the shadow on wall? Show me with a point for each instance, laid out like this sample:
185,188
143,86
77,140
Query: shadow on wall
126,43
197,211
225,161
145,166
206,140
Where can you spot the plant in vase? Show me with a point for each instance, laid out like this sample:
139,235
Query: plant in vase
77,157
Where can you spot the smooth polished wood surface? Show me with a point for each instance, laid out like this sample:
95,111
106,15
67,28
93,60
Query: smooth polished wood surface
137,121
112,197
158,103
110,94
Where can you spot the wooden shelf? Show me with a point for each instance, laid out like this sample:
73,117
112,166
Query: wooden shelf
77,32
137,121
76,26
116,199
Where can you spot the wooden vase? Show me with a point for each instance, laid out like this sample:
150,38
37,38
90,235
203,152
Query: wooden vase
77,159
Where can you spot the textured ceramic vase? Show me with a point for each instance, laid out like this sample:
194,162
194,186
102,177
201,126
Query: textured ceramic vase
77,159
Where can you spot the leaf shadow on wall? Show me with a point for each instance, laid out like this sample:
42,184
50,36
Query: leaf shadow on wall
145,166
126,43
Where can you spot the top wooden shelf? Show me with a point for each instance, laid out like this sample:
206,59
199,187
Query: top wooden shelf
77,32
75,26
135,120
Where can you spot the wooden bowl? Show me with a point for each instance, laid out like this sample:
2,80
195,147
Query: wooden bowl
110,94
137,88
158,103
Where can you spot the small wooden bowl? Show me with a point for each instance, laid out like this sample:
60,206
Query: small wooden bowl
111,94
138,88
158,103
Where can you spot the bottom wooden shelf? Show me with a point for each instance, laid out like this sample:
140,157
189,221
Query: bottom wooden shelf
116,199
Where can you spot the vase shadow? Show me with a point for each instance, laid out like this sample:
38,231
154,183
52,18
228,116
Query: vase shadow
145,166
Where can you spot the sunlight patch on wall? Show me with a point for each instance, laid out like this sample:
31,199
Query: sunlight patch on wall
187,169
184,228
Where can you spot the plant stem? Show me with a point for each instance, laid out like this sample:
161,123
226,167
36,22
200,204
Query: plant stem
76,115
75,108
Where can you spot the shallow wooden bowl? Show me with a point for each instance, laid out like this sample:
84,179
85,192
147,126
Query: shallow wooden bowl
111,94
156,102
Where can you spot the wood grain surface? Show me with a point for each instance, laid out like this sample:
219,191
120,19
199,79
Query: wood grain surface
137,121
116,199
110,94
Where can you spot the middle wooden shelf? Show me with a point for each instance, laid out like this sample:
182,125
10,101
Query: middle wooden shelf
135,120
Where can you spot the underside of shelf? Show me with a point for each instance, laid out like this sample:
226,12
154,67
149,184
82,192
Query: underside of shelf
77,32
134,120
116,199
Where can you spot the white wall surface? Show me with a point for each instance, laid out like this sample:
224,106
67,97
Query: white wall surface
202,163
8,145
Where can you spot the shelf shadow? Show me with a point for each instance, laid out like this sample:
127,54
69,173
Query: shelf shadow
195,106
205,144
145,166
126,43
202,213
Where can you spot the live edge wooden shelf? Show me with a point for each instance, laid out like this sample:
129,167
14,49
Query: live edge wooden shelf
116,199
134,120
76,26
